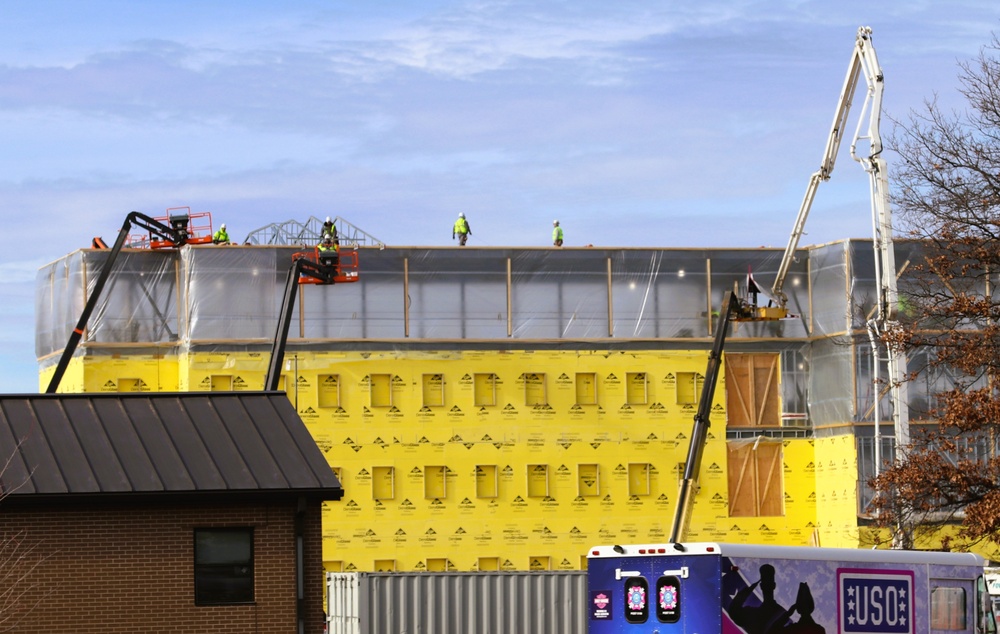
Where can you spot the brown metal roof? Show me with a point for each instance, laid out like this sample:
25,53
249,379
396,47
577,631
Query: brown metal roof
128,444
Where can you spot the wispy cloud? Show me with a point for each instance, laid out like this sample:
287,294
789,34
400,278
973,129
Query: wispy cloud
635,123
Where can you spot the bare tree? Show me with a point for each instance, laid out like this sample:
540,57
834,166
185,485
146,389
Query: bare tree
20,559
947,194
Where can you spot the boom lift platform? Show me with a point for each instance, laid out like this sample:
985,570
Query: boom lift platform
345,270
173,235
194,228
308,267
197,227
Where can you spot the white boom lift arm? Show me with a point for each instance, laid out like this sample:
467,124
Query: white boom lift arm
864,63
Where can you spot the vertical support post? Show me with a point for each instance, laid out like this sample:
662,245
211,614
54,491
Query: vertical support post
708,293
406,297
611,310
300,564
510,305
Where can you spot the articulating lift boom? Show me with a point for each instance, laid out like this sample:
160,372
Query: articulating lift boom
175,235
307,268
733,309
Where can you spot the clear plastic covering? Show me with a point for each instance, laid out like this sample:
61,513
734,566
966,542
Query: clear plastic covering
139,303
233,293
202,296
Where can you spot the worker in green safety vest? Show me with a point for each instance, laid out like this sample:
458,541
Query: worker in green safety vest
557,234
221,236
329,251
461,230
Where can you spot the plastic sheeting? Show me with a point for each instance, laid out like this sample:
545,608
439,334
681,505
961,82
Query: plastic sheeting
844,298
202,296
139,304
233,293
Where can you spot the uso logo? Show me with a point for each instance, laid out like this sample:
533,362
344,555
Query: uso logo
875,601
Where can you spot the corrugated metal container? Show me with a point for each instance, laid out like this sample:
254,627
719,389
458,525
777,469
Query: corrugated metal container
457,602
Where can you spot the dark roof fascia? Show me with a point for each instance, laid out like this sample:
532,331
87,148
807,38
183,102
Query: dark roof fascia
67,500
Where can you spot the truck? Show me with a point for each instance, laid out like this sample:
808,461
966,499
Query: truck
715,588
992,582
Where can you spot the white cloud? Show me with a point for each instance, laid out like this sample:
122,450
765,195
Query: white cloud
636,123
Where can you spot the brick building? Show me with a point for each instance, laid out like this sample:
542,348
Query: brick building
160,513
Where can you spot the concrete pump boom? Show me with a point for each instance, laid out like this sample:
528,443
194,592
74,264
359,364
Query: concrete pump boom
864,64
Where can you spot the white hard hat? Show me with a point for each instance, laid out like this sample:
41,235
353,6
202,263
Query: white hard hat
223,226
461,214
328,218
555,222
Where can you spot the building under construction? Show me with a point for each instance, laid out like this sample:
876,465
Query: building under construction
507,408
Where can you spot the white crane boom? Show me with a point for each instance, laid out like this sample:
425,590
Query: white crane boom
864,64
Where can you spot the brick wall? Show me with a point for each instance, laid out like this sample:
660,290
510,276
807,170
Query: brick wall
129,569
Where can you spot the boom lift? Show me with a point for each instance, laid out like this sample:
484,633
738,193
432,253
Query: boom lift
733,309
173,235
864,63
310,267
195,227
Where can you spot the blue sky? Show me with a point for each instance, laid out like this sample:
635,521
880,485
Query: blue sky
636,123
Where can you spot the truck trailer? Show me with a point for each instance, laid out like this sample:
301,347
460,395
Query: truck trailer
711,588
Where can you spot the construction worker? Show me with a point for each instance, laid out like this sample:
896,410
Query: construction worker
220,236
557,234
461,229
329,251
330,229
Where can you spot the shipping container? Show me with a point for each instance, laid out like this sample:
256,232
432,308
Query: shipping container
457,602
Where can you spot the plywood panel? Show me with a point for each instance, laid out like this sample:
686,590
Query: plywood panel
752,390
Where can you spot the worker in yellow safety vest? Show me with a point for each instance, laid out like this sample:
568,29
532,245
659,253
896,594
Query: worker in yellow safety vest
461,229
329,251
221,236
557,234
330,229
